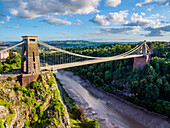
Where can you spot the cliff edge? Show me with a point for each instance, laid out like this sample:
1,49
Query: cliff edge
38,105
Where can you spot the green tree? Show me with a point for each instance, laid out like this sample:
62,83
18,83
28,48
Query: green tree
1,67
88,123
134,87
13,59
108,76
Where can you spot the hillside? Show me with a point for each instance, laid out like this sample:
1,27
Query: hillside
148,87
39,105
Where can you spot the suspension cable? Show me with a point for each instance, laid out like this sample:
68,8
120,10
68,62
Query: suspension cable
11,47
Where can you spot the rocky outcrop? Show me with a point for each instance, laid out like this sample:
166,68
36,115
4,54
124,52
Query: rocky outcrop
39,105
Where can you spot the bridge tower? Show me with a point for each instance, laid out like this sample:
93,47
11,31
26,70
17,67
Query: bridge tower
30,62
139,62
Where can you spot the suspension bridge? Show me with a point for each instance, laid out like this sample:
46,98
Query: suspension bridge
31,59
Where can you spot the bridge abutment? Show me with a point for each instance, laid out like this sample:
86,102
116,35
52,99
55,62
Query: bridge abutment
27,79
140,62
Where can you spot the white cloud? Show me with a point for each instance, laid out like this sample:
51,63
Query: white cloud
118,17
28,9
15,26
79,22
154,16
118,30
151,24
138,20
115,18
159,31
55,21
113,3
8,18
146,2
65,33
150,8
2,22
143,14
14,12
100,20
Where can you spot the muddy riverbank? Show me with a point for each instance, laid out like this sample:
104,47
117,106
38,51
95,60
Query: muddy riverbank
110,111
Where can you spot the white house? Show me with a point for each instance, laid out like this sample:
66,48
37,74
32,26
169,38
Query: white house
4,55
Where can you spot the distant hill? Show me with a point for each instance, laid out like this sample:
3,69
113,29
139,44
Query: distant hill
79,43
69,43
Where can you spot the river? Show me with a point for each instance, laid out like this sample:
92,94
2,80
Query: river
110,112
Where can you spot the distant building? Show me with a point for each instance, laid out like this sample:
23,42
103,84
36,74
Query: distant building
4,55
40,50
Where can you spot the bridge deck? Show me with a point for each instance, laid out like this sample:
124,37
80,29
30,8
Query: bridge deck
81,63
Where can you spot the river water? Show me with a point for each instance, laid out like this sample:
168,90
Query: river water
95,107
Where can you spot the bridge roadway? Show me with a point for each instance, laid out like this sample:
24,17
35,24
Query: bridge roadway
87,62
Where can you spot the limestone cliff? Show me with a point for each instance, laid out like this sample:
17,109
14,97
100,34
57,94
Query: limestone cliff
39,105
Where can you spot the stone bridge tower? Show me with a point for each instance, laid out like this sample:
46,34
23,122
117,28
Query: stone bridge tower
30,62
139,62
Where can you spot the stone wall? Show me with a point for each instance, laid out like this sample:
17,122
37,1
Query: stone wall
27,79
24,79
16,77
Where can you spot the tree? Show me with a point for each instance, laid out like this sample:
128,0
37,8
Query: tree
88,123
97,80
166,91
7,67
1,67
108,77
13,59
134,87
78,113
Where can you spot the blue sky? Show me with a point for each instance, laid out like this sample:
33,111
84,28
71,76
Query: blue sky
93,20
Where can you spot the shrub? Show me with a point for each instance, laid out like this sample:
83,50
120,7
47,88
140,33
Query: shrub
88,123
35,118
35,85
50,82
28,101
27,123
7,120
9,78
78,113
11,111
5,103
17,87
1,123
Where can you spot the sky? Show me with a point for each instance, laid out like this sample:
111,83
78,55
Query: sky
92,20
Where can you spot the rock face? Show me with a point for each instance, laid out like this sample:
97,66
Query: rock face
39,105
